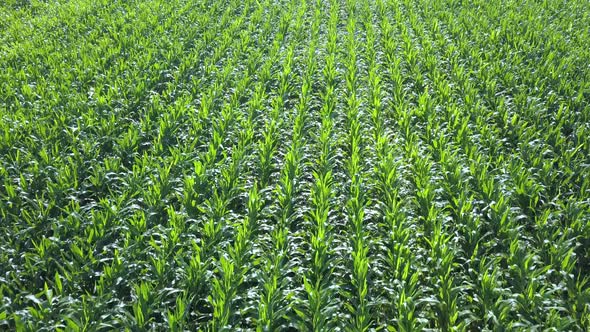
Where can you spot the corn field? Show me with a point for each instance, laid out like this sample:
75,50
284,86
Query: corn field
294,165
